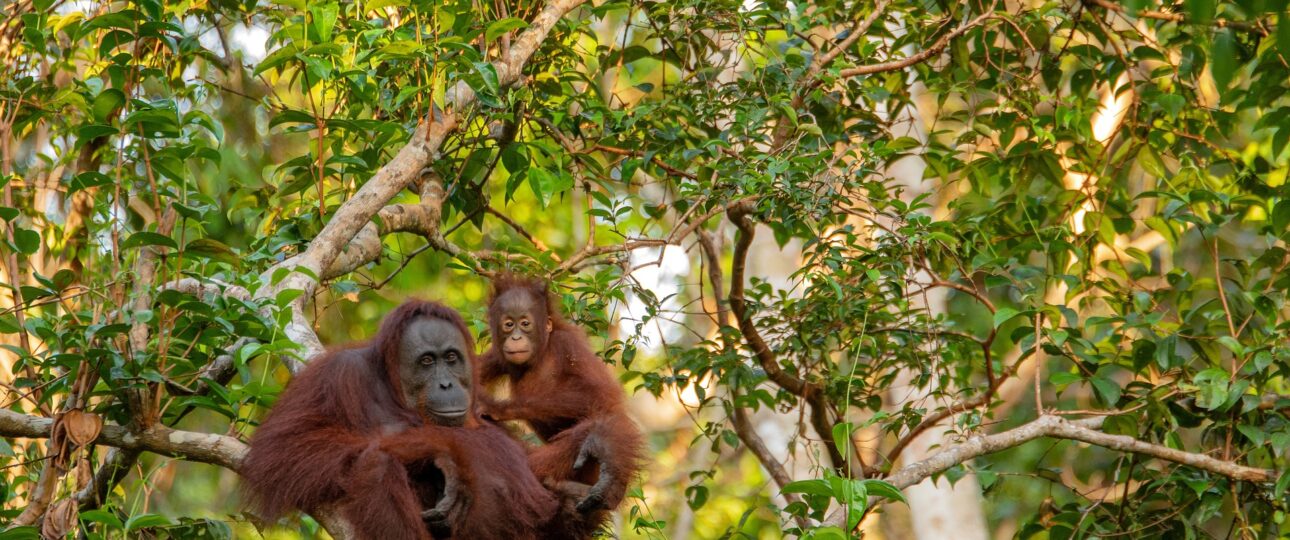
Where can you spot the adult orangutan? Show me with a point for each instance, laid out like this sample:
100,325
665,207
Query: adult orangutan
563,392
387,432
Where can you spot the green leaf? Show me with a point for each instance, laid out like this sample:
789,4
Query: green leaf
829,533
547,184
20,533
143,521
789,112
1107,389
9,325
488,74
276,58
63,279
1283,34
402,48
26,240
89,179
1200,11
30,293
1003,315
1213,385
814,486
1063,378
842,437
1282,483
213,249
1281,216
499,27
324,20
884,489
515,158
1226,60
1253,433
696,496
1151,163
1230,343
106,103
89,132
148,238
286,296
247,352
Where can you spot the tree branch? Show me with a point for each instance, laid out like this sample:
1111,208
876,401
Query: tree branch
653,159
210,448
1077,430
921,56
858,30
812,393
739,305
1257,28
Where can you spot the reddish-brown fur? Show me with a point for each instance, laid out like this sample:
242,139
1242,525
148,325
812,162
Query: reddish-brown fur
564,393
341,437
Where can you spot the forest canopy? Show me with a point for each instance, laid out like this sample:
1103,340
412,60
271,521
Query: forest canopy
892,269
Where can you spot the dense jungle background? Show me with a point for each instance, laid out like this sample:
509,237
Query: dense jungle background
893,269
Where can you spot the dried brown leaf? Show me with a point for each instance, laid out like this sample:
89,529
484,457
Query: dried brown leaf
60,519
82,427
83,473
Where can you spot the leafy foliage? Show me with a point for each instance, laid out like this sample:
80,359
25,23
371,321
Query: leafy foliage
896,219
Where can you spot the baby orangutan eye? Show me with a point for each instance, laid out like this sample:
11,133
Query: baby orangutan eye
525,323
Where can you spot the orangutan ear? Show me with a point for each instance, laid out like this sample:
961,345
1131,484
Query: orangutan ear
549,327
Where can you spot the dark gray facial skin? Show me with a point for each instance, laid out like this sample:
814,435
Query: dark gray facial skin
522,326
434,370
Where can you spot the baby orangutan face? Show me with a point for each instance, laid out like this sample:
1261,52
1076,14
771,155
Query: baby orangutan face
520,325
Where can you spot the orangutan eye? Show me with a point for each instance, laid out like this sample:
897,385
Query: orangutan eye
427,359
508,325
451,357
525,324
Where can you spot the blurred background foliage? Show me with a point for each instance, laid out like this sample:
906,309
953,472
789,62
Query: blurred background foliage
950,218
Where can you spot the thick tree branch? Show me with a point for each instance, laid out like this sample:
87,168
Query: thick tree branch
423,219
1077,430
210,448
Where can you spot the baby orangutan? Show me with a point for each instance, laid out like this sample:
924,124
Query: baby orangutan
562,391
